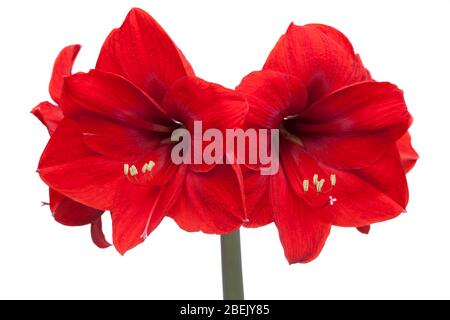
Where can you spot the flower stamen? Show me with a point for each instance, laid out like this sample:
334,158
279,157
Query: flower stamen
126,169
150,165
305,185
333,180
319,185
133,171
315,179
317,202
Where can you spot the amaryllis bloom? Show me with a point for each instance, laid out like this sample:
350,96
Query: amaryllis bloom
65,210
112,150
339,159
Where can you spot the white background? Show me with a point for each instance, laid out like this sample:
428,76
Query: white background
405,42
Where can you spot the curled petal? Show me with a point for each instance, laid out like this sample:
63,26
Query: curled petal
49,114
97,235
71,213
408,155
61,69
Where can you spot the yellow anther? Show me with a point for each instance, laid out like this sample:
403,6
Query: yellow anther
320,185
133,171
315,179
126,169
305,185
150,165
333,180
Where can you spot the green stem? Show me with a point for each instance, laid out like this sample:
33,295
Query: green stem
233,288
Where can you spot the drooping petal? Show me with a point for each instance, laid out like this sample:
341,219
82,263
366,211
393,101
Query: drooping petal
211,201
62,68
320,56
193,99
408,155
271,97
138,210
97,235
69,167
302,233
141,51
71,213
112,97
49,114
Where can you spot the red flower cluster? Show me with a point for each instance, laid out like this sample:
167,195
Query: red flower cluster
344,147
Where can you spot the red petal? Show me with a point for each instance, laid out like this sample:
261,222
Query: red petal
363,108
97,235
211,201
408,155
130,146
271,97
49,114
62,68
55,199
370,195
70,168
320,56
138,210
302,233
257,199
345,152
118,141
349,128
141,51
71,213
193,99
112,97
364,196
364,230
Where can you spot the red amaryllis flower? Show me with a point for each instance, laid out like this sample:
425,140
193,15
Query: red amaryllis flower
65,210
339,160
112,150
